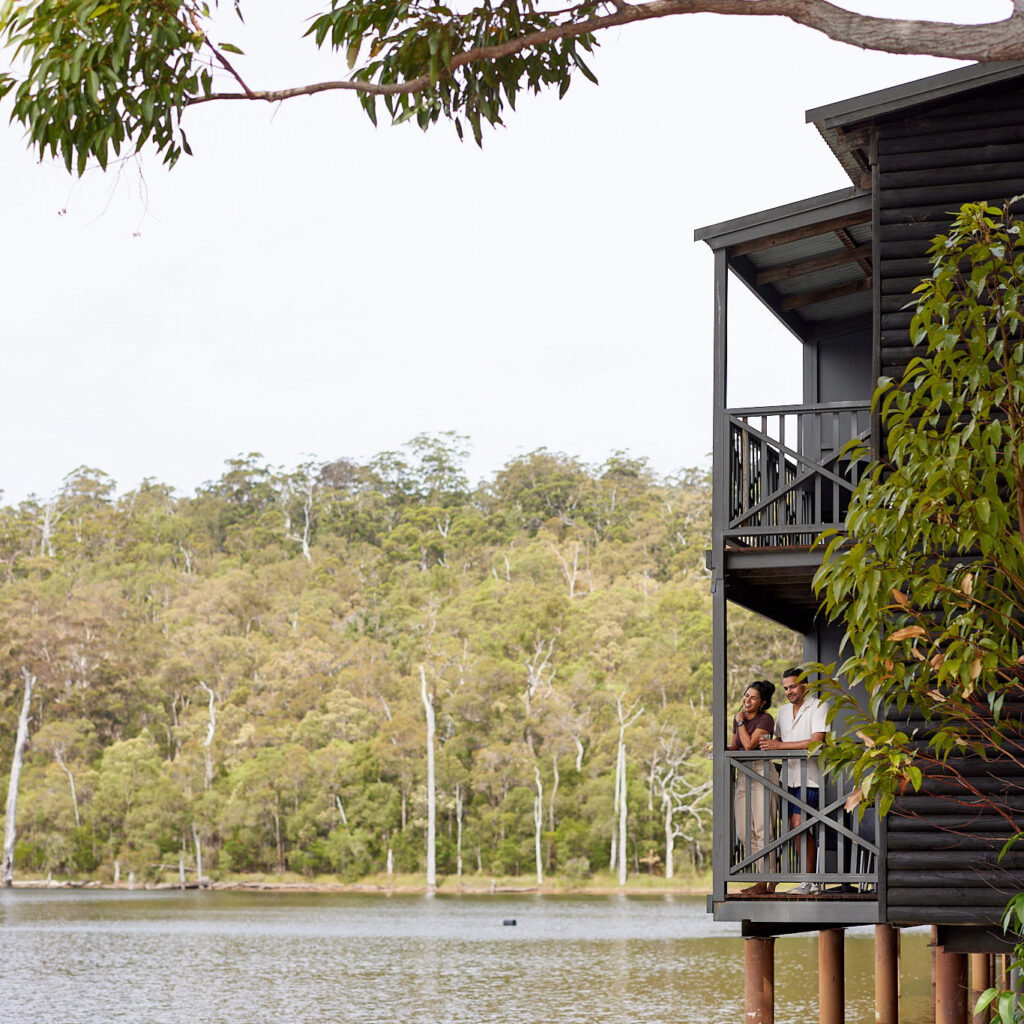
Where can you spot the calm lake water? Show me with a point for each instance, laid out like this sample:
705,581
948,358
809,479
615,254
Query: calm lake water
236,958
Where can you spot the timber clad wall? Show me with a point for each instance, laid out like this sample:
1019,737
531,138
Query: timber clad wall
929,165
942,844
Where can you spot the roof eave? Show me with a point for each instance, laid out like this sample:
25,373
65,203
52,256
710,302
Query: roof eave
834,120
780,219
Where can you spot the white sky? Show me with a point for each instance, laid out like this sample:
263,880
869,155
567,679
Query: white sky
308,284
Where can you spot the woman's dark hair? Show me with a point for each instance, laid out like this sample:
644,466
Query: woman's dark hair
766,689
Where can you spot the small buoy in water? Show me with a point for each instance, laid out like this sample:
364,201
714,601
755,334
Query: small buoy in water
509,920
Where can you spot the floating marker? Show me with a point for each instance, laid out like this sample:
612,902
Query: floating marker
509,921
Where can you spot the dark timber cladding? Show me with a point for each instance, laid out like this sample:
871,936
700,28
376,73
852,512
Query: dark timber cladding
930,163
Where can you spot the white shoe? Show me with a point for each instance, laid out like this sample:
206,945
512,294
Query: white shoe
804,889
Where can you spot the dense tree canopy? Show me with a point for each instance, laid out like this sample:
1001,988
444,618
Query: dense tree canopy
241,666
95,77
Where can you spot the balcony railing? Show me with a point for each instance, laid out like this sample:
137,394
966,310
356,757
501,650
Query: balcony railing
765,847
788,477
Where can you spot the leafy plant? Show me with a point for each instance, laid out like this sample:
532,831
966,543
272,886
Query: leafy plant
929,582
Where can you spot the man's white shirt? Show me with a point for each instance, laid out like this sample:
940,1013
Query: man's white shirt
811,717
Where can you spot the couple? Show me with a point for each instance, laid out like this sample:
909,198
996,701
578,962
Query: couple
800,723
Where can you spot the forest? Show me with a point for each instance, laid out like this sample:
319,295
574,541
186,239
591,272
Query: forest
236,682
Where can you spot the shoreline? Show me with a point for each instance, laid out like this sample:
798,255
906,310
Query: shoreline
398,888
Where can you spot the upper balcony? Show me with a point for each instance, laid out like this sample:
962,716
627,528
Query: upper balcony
781,476
789,478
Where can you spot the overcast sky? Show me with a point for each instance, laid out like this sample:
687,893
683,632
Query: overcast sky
307,284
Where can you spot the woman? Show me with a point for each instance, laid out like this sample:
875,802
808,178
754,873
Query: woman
750,724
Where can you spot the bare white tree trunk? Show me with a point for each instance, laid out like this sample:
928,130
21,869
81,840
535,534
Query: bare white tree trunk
7,864
615,809
199,853
554,790
626,719
670,837
458,829
570,572
538,821
391,861
59,758
181,864
539,671
341,808
308,488
622,813
211,729
682,800
428,707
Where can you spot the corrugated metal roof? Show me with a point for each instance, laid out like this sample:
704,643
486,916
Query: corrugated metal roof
795,252
845,273
838,309
835,119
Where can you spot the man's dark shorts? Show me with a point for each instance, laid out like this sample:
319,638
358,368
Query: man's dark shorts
810,798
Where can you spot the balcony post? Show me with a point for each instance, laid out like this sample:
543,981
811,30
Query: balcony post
722,825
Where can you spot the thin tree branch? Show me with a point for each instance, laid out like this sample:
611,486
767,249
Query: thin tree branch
992,41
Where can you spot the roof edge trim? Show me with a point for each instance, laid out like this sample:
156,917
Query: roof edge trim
765,223
911,94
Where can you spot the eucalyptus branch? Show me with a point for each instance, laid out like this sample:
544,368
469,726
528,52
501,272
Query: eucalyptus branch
992,41
226,64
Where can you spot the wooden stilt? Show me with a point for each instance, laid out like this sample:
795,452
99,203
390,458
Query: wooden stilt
950,987
831,972
887,974
981,979
759,955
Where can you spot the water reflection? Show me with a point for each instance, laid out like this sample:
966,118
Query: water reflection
164,958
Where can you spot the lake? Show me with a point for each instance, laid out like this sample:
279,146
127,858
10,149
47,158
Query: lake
73,956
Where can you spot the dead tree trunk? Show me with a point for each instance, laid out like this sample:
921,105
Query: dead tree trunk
626,719
538,823
7,865
623,812
458,828
428,707
199,853
59,758
211,729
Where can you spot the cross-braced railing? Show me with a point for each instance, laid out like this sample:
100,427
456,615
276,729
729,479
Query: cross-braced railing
788,477
765,846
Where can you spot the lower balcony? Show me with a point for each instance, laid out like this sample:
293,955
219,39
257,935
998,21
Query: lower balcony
766,863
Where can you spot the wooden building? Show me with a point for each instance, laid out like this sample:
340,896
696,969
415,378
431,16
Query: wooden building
838,271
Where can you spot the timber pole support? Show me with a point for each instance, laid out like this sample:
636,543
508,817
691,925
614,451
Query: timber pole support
759,956
950,987
831,971
981,979
887,974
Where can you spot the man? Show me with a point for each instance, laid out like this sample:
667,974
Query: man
799,724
